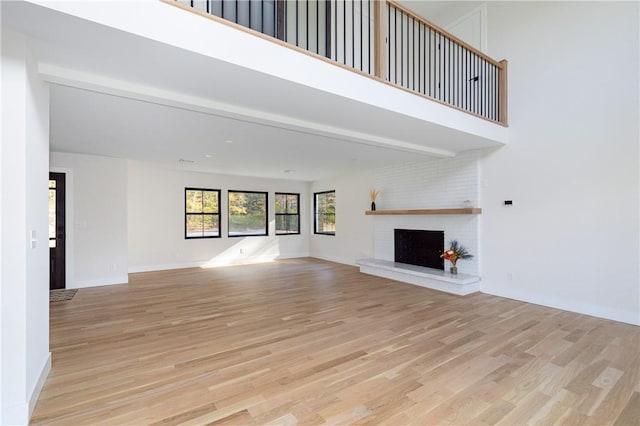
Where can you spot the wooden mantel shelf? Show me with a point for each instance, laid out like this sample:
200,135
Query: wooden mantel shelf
423,212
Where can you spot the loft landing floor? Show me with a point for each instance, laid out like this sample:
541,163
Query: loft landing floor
311,342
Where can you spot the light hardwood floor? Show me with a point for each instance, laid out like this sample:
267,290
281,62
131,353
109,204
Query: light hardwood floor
311,342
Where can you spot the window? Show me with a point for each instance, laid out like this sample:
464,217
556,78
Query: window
287,214
201,213
247,213
325,212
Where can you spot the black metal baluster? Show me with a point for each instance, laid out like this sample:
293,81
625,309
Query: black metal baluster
485,107
479,83
327,29
263,18
402,48
485,89
369,34
336,30
413,53
478,88
475,83
395,50
456,73
468,82
353,34
425,53
344,30
449,70
459,82
463,101
490,90
419,54
498,76
389,42
449,75
361,34
440,66
443,63
431,74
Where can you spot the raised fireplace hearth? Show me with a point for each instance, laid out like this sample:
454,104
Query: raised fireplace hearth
436,279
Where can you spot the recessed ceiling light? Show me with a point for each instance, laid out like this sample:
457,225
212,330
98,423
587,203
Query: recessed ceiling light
184,160
228,141
289,171
208,155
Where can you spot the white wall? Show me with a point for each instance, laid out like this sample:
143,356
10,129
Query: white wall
128,216
156,220
571,238
354,231
98,232
24,279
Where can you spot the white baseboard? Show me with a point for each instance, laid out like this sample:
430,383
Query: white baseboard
20,413
164,267
203,263
628,317
121,279
336,259
33,399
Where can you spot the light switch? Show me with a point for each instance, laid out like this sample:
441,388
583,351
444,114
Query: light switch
33,239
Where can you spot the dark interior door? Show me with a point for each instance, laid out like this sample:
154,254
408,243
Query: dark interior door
56,231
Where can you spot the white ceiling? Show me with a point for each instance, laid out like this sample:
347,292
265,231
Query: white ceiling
93,123
118,124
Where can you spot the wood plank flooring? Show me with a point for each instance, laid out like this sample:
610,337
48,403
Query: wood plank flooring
311,342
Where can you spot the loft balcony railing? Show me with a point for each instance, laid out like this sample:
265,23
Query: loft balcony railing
380,38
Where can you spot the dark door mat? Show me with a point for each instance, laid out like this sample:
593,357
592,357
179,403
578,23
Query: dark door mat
60,295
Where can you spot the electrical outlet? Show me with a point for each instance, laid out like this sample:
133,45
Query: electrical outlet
510,276
241,251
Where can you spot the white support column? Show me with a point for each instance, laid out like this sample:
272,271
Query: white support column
24,265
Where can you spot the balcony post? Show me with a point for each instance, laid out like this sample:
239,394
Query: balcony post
502,93
380,38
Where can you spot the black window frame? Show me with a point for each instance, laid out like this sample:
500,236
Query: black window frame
186,213
266,213
316,214
287,214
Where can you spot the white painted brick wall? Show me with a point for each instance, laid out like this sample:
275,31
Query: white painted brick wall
435,183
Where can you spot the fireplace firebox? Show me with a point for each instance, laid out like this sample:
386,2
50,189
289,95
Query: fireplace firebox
419,247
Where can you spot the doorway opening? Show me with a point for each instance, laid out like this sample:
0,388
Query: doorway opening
56,231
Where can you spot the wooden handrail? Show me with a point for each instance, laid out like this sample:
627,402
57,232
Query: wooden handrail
444,33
